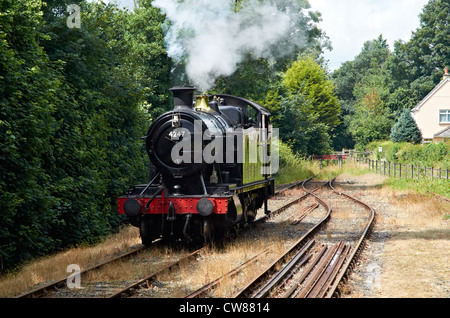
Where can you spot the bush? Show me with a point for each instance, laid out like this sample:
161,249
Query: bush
406,129
430,155
292,167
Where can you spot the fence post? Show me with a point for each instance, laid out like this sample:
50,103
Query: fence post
432,173
400,169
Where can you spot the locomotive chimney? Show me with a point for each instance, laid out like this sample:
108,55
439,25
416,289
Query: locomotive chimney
183,96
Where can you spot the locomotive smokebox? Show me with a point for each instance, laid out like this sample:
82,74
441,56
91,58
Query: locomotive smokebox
183,96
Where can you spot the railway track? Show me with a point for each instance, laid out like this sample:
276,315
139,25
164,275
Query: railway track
56,288
271,278
309,269
47,289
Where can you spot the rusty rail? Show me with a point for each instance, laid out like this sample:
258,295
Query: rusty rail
299,244
48,288
146,281
357,250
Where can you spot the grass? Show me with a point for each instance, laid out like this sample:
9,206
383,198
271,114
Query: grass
292,173
53,267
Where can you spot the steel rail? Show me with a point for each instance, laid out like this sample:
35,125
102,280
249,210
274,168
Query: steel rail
146,281
44,290
247,290
289,187
263,292
357,250
204,289
288,205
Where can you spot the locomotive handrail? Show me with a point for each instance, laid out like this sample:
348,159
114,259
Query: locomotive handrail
240,101
147,206
151,182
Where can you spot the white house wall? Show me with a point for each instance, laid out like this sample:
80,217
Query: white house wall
427,115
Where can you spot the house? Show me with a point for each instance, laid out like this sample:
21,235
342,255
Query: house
432,114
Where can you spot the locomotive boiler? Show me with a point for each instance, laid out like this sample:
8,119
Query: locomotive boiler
211,169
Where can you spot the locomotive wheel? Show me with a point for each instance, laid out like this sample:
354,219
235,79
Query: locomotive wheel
208,231
143,231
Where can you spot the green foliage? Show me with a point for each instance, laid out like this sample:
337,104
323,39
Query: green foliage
300,128
406,129
308,78
356,81
416,66
73,108
371,121
401,78
429,155
295,112
292,166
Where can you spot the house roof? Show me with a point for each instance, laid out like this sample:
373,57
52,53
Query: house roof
443,133
442,83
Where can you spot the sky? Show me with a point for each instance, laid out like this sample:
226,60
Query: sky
350,23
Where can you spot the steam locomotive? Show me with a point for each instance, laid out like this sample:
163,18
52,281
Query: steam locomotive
211,169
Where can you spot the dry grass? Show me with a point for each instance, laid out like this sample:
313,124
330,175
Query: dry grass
54,267
416,257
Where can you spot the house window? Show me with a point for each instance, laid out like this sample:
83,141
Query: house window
444,117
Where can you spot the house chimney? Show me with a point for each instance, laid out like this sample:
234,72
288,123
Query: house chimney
446,75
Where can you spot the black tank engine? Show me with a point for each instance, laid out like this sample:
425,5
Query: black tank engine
210,172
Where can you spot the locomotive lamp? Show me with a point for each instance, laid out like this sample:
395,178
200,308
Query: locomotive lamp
176,120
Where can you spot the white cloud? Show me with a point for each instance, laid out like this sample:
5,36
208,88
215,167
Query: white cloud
350,23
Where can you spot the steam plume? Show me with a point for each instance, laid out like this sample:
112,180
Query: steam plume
213,39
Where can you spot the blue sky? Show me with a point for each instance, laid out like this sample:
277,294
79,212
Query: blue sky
350,23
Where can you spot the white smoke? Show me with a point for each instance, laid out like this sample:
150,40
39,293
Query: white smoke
213,39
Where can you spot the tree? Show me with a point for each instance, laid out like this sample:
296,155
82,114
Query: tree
74,104
371,121
300,128
308,78
29,97
368,66
294,102
416,67
406,129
